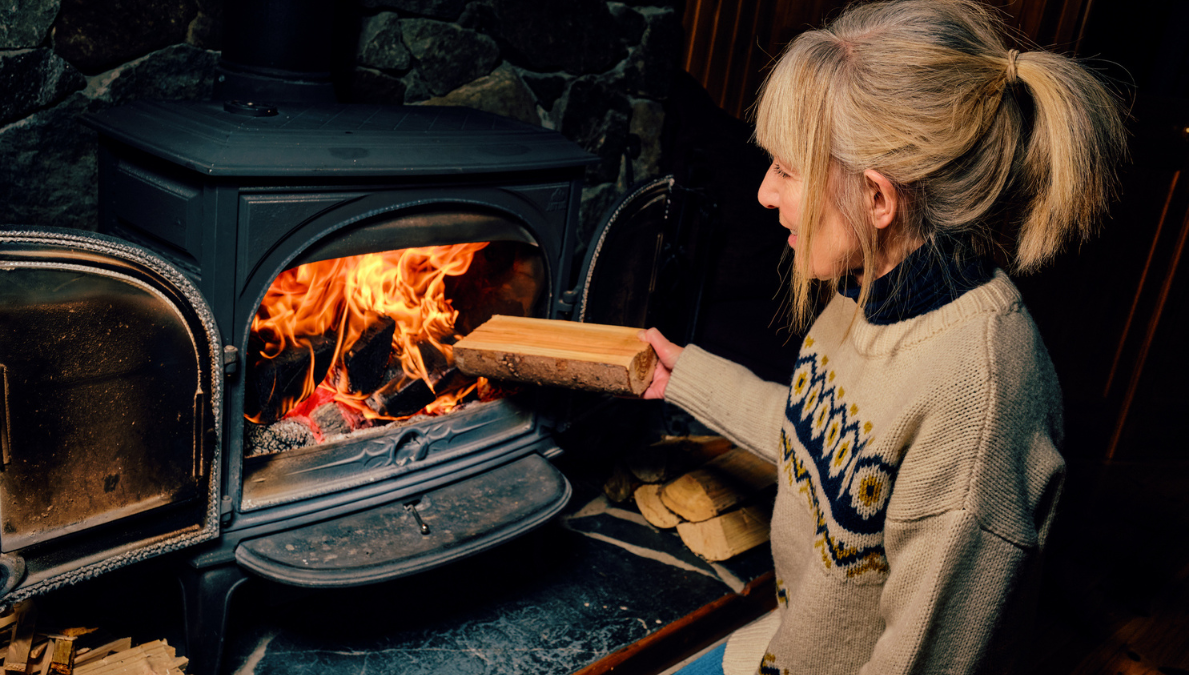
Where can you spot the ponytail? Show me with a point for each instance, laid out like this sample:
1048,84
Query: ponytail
1069,168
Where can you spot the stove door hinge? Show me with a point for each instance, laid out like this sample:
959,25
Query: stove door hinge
566,304
231,360
226,509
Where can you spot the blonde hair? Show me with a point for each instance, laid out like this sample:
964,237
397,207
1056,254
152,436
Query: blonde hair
926,93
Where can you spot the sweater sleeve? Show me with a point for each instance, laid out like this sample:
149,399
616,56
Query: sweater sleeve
729,399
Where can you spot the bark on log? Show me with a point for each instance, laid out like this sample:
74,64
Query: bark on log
608,359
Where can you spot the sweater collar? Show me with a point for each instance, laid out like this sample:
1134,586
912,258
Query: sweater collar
929,278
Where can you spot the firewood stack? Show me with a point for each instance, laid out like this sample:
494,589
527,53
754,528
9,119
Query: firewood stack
32,649
716,496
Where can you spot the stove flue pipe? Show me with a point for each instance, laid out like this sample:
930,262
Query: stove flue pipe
276,51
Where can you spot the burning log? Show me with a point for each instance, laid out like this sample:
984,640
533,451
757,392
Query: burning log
608,359
367,359
444,376
278,383
330,420
401,396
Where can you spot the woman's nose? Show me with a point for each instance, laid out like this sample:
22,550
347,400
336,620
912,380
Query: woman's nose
768,191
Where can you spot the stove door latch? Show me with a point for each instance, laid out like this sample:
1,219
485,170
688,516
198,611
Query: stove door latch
411,507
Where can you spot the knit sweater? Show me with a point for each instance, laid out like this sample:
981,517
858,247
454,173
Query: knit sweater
918,474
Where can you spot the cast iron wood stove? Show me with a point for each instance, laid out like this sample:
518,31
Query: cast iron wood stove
135,421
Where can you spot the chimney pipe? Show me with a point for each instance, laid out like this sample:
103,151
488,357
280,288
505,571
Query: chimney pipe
276,51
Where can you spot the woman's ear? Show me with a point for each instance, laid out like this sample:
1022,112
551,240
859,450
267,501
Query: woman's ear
884,199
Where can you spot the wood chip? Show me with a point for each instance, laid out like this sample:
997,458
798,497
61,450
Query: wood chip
17,658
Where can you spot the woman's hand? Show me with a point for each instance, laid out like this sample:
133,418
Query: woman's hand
668,353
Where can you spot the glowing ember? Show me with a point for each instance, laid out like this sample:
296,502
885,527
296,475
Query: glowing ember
341,297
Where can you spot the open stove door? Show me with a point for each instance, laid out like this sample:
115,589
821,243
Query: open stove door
647,262
110,380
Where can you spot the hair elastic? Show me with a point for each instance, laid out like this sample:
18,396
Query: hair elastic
1012,64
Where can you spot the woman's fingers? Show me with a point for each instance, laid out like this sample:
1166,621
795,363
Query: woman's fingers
668,352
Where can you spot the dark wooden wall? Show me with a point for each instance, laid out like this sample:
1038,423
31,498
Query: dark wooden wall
1114,313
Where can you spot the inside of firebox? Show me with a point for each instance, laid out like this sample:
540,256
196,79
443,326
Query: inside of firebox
352,344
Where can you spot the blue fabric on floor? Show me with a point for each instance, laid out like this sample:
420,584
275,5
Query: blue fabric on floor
708,664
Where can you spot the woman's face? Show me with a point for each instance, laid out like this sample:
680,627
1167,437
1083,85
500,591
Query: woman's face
835,250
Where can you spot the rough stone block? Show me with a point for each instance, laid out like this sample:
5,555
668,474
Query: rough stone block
579,37
602,133
646,123
631,25
448,56
381,44
502,92
648,69
371,86
34,79
547,88
48,168
23,23
437,9
95,36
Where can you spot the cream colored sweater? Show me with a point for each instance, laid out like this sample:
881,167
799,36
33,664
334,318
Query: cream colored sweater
917,480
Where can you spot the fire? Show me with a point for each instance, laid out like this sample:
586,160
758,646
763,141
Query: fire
339,297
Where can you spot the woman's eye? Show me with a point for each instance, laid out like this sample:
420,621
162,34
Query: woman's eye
779,170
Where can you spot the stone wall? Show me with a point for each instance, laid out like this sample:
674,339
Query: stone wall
598,72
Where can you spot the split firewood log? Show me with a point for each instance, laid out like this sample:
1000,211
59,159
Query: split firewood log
728,534
651,506
609,359
620,484
730,479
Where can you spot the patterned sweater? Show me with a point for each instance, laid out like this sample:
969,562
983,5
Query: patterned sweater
918,475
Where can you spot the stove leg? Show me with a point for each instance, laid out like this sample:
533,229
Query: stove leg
206,595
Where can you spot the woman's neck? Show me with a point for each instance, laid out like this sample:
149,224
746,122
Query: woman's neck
888,257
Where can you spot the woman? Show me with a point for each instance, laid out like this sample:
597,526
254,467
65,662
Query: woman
916,442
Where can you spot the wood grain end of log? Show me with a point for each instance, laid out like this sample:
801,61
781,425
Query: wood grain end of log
650,504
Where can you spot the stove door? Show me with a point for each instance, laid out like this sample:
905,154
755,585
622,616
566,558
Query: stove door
110,379
647,262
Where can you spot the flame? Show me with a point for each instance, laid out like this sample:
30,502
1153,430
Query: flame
340,296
